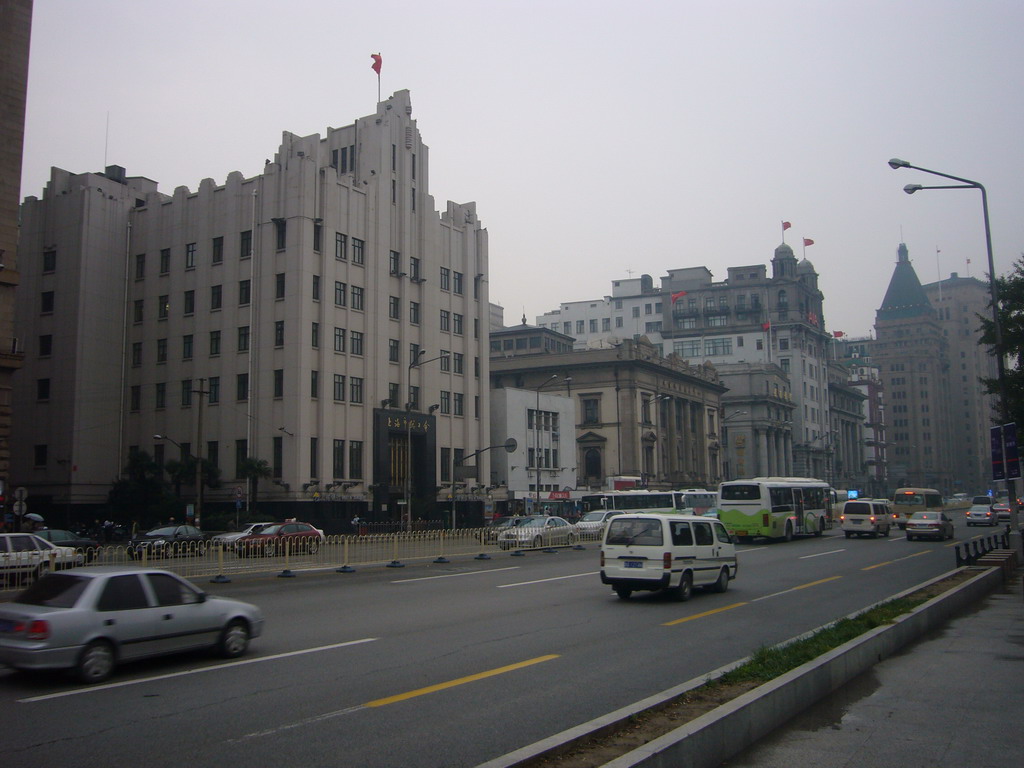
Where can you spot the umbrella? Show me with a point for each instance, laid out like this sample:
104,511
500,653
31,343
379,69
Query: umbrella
34,516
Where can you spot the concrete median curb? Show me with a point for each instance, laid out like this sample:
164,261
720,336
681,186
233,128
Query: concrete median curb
712,738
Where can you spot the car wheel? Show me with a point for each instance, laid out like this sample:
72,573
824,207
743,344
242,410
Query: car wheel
314,546
623,593
789,531
887,530
723,581
849,534
572,539
537,542
95,662
683,592
234,639
909,537
821,527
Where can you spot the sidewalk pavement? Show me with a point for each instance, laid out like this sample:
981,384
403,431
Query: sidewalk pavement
953,699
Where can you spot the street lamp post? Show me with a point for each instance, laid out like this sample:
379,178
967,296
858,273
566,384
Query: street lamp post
198,475
1004,399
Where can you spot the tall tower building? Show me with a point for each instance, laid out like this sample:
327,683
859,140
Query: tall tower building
321,317
911,353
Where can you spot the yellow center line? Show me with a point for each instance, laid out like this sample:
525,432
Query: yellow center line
816,583
890,562
460,681
702,615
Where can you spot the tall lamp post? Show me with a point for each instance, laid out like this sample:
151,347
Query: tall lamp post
1004,399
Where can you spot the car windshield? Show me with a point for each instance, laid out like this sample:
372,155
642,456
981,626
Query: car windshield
270,529
924,516
525,521
981,500
168,531
592,517
55,590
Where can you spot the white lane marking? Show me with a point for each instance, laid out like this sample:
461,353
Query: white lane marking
307,721
898,538
755,549
454,575
797,588
541,581
830,552
197,670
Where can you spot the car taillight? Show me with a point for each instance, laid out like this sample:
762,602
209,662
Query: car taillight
842,518
602,559
38,630
872,518
666,561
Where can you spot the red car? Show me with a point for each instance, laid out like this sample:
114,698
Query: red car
275,539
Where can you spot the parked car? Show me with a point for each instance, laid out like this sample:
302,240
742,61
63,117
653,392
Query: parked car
981,512
591,525
492,531
90,547
168,541
275,539
227,540
867,517
25,557
90,619
538,531
1002,510
929,525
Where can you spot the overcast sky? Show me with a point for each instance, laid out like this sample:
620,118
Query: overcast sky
600,140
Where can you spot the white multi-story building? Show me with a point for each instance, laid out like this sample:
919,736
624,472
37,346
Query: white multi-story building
321,316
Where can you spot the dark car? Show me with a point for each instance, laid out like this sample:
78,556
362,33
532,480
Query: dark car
275,539
90,547
168,541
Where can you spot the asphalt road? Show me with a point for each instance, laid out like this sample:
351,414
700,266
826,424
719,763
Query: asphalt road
444,664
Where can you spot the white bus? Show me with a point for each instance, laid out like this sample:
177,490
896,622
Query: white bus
776,507
691,501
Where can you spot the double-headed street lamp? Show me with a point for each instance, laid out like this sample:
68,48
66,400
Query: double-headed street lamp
1004,399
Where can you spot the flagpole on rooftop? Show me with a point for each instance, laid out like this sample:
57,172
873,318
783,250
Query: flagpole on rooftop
377,60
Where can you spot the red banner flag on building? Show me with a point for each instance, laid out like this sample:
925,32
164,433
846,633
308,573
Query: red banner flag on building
376,62
808,241
677,296
838,334
786,225
766,326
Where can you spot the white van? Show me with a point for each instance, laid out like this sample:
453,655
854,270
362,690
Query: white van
867,517
649,552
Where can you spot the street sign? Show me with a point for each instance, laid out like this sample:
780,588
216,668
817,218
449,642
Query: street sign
998,465
238,491
20,508
20,493
1011,456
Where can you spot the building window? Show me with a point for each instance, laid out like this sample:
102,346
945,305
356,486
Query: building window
163,307
339,387
458,403
314,336
340,294
317,236
241,454
316,287
190,302
242,386
213,390
244,292
136,352
140,266
356,342
355,390
446,465
457,324
339,339
243,338
338,460
279,283
358,249
165,261
161,395
46,305
446,360
394,262
278,383
215,297
414,268
459,362
186,347
314,384
280,234
591,410
39,455
394,307
190,256
186,393
393,394
457,283
161,350
355,459
414,312
446,320
394,350
217,250
279,333
49,261
43,390
414,397
446,276
340,246
446,401
245,244
357,297
214,343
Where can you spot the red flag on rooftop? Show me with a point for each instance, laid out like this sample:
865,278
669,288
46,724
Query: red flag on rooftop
786,225
838,334
376,62
808,241
676,296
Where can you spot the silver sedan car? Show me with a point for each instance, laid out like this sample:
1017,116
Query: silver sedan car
90,619
538,531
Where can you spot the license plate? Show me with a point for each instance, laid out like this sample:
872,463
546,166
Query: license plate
633,564
857,522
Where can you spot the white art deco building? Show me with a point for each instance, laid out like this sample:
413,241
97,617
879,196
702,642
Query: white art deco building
321,316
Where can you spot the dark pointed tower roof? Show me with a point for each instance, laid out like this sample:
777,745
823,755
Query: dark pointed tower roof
905,296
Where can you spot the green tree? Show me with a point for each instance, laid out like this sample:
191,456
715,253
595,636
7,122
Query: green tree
1011,323
139,494
252,470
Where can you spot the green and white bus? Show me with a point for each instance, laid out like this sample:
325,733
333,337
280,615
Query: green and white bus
778,508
